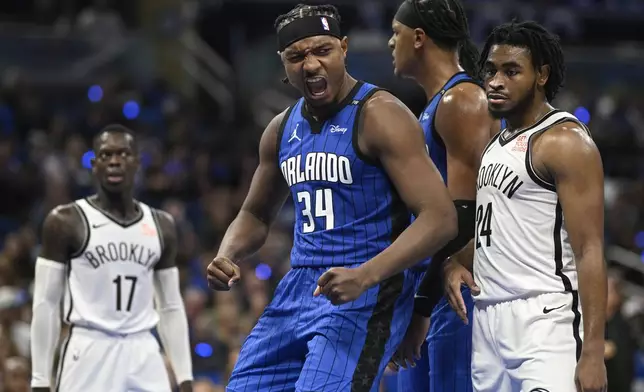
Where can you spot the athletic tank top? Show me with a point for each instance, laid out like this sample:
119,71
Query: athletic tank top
346,208
110,280
522,247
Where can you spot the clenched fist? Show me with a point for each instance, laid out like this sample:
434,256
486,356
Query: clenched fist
222,273
341,285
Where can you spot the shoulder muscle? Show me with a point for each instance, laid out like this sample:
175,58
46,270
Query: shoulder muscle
463,120
568,149
386,119
60,232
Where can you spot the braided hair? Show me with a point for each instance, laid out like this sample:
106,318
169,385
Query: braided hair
445,22
545,49
304,10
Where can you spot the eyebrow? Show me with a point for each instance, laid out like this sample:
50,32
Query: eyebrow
318,46
507,64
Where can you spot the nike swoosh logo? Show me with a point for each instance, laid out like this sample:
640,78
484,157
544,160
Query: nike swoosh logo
546,310
97,225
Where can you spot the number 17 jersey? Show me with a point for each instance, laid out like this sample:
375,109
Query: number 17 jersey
346,208
110,280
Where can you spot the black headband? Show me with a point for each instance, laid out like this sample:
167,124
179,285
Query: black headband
409,16
305,27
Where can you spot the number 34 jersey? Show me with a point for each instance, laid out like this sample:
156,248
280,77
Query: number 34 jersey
521,243
346,208
110,284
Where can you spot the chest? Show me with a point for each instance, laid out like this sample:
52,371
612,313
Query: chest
327,155
134,247
502,170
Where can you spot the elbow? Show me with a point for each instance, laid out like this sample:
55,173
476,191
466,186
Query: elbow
443,222
450,223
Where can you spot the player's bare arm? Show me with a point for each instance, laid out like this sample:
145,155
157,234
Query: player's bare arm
464,124
391,135
569,157
173,323
248,232
62,234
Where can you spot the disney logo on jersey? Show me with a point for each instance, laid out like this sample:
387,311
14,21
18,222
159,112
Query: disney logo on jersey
120,252
337,129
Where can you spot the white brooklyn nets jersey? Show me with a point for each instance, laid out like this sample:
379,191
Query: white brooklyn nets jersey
522,247
110,281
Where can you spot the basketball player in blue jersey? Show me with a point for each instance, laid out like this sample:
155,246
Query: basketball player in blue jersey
351,155
431,45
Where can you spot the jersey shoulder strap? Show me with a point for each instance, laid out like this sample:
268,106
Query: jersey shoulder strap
360,99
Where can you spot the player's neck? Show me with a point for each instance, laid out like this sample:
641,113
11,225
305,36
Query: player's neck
437,69
118,204
528,117
321,113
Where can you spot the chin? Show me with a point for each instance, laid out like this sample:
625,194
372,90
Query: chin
400,72
114,188
497,115
320,101
498,112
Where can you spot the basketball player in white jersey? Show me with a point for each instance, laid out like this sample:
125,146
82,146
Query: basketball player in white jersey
111,257
538,257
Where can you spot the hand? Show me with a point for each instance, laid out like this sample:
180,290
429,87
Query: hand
610,349
222,274
185,386
456,275
341,285
590,375
409,350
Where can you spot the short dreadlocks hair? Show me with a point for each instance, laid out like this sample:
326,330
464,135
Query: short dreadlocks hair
445,22
544,46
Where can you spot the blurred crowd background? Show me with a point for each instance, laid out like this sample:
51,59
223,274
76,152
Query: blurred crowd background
199,80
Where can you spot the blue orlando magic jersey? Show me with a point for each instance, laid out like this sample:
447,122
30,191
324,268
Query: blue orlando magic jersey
346,209
433,142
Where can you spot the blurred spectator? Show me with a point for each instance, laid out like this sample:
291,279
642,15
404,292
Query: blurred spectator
17,375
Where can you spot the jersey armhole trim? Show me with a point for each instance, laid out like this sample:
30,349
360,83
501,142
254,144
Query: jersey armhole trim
490,143
539,180
86,236
280,131
435,134
155,218
356,129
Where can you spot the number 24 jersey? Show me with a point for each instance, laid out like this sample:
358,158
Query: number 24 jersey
522,246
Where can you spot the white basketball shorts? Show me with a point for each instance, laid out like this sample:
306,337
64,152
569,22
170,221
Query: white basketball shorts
527,345
94,361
